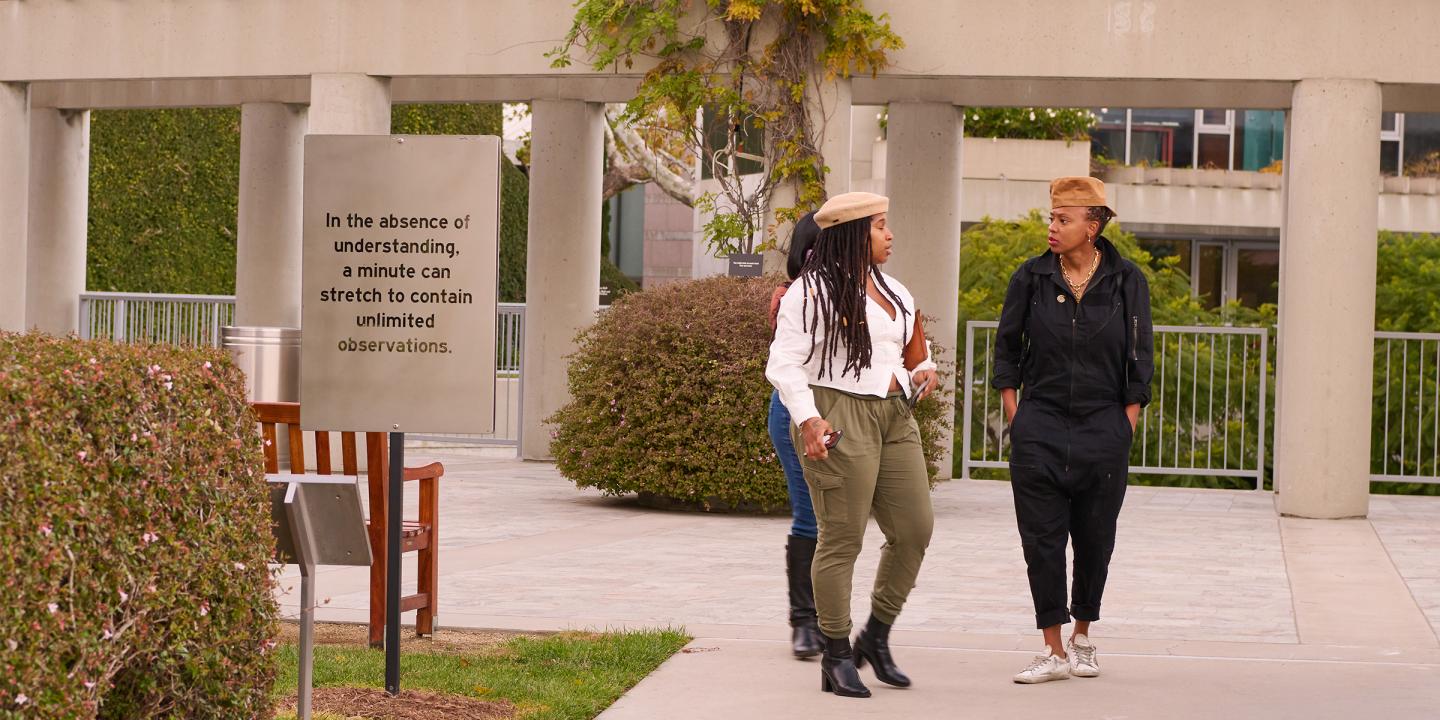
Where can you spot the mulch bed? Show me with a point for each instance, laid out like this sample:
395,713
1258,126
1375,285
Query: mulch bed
374,704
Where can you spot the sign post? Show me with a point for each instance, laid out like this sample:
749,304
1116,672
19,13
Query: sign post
399,278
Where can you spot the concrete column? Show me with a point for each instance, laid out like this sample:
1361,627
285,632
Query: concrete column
272,163
924,181
349,104
830,112
59,204
562,273
14,210
1327,315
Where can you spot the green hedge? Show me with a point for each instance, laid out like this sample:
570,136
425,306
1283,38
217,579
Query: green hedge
669,397
137,531
164,186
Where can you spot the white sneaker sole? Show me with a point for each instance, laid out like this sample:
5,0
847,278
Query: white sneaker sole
1034,679
1085,673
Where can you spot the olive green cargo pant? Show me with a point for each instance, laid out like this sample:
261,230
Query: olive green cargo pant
877,467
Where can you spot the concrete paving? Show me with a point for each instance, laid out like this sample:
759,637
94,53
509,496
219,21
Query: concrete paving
1215,607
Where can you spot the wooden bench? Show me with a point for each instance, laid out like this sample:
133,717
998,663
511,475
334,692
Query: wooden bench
418,536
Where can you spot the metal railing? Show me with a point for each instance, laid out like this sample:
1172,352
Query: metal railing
152,318
197,319
1208,413
1405,427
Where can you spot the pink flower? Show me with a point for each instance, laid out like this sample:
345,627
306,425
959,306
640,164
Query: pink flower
81,454
45,530
124,596
53,608
207,364
239,566
89,684
149,537
204,609
107,635
21,699
169,385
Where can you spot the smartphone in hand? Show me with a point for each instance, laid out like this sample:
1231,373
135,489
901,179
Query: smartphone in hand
915,396
833,438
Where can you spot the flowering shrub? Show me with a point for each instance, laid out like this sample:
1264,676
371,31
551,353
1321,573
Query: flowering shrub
669,396
136,531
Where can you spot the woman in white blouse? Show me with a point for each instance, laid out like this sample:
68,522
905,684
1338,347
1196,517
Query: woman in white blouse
838,363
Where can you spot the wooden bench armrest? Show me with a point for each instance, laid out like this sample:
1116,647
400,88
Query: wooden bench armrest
433,471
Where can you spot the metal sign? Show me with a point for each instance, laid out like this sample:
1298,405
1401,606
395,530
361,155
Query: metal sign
317,521
399,283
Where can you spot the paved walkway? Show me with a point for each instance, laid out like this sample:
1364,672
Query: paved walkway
1215,606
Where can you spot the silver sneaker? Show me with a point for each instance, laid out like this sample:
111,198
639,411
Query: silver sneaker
1082,657
1044,668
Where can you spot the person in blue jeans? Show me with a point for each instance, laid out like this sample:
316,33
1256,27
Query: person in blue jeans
805,638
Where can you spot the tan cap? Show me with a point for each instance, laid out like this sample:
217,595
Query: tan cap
1078,192
850,206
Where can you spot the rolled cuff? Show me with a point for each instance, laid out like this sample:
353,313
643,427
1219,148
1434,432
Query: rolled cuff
1137,394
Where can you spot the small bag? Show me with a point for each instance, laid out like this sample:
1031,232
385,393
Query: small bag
915,351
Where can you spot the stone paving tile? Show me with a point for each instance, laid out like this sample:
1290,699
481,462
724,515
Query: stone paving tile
1409,527
1189,564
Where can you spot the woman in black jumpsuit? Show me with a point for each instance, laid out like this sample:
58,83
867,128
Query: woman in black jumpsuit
1074,339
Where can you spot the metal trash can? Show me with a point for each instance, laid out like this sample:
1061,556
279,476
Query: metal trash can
270,359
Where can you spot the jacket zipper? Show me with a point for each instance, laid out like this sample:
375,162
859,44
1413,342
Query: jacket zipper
1134,337
1074,317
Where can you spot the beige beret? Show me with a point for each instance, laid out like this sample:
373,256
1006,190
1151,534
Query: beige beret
1078,192
850,206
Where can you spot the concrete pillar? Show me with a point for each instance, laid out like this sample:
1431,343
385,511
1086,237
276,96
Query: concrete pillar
267,253
830,112
14,210
562,273
1327,315
349,104
59,204
924,182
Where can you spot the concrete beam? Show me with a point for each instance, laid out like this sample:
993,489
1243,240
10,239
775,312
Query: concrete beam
268,246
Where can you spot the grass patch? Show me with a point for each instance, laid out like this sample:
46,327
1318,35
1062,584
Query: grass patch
568,676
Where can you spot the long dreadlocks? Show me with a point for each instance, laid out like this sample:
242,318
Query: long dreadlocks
838,266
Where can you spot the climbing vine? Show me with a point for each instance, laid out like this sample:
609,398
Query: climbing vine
754,68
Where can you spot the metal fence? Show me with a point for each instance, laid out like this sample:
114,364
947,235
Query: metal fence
197,319
1405,427
1207,416
150,318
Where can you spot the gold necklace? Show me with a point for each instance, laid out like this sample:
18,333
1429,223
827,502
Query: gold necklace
1079,288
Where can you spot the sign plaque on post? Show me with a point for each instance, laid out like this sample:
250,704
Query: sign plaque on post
399,278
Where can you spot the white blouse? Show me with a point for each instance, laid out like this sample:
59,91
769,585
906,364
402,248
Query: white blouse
792,376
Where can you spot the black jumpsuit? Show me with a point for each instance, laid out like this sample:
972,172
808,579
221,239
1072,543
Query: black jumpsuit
1076,365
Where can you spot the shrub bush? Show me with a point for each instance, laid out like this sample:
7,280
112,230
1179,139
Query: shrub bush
669,396
137,533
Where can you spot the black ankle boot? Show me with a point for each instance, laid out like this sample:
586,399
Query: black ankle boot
873,646
805,638
837,670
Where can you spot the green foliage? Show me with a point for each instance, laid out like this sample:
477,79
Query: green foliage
164,185
1029,123
669,396
1407,293
136,521
704,60
163,191
568,676
1182,421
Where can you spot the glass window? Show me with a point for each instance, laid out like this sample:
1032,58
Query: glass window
1162,137
1214,152
1214,117
1107,138
1209,278
1422,144
751,142
1389,123
1390,157
1257,276
1160,249
1259,138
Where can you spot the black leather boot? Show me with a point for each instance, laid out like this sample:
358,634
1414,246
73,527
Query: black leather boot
873,646
837,670
805,638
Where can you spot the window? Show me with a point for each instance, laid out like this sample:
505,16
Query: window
1256,274
1214,138
1259,138
1107,138
1222,270
1162,137
1421,140
1392,141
